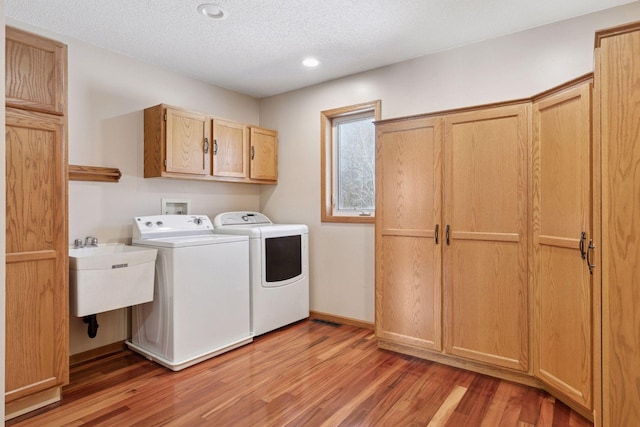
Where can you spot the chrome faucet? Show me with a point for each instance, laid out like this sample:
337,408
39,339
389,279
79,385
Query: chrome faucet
91,241
77,244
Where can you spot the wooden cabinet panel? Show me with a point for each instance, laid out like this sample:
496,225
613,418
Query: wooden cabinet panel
408,212
562,310
230,148
485,260
184,144
617,77
36,243
264,154
36,78
188,142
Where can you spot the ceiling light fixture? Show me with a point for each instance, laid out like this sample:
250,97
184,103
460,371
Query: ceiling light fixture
310,62
212,11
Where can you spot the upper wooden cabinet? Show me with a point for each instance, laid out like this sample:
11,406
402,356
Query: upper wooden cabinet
562,229
35,76
183,144
187,142
485,235
230,149
264,154
175,141
617,135
408,221
37,313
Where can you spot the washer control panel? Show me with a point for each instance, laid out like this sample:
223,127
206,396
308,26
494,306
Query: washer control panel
160,226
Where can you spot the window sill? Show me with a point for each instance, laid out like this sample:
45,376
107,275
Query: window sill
349,219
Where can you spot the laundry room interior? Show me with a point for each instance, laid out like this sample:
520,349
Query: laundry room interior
108,94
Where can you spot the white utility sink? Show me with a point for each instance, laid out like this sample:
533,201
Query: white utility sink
108,277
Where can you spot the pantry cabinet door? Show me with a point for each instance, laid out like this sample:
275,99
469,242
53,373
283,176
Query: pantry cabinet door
485,242
408,242
561,232
36,254
617,77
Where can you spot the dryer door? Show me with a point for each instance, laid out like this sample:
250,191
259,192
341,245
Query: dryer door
282,256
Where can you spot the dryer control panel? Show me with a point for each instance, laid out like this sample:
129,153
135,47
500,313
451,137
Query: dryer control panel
240,218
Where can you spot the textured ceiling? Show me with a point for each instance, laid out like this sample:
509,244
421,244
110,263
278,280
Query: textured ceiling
258,48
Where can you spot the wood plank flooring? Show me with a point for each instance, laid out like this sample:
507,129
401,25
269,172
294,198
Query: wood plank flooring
307,374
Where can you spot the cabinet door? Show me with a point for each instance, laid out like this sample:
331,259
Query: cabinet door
188,142
485,258
408,248
617,77
264,154
35,73
561,213
36,243
230,149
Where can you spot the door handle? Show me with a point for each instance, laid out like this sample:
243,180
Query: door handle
215,146
253,152
583,238
446,234
436,233
590,249
206,145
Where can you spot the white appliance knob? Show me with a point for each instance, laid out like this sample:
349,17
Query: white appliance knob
197,220
148,224
159,223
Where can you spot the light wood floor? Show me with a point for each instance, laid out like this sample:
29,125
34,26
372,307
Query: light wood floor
308,374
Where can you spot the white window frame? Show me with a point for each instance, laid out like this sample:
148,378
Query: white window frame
329,157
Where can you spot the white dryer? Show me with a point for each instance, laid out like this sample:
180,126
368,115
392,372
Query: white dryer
201,302
279,267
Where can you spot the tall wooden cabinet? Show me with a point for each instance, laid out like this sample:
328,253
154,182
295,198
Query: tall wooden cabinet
617,131
451,236
408,242
539,236
478,228
37,342
485,235
562,229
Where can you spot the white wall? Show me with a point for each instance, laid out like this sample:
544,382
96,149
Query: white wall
511,67
107,95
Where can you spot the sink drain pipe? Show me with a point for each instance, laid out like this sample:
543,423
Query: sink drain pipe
92,321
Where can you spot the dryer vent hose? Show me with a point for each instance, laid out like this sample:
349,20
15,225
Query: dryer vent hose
92,321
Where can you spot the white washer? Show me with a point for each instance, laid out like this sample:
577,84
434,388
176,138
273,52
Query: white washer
279,267
201,303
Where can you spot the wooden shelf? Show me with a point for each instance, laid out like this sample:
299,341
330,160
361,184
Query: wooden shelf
93,173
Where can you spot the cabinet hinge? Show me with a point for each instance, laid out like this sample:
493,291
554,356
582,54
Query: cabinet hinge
165,117
165,163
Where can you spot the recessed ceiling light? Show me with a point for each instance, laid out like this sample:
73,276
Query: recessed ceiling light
310,62
212,11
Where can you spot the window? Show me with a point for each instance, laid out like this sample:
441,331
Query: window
348,163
